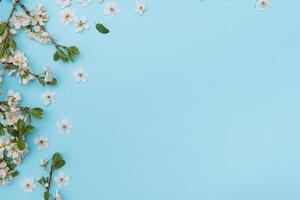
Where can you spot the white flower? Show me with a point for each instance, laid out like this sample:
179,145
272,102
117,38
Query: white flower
57,195
41,142
262,4
19,59
11,118
20,19
62,179
48,77
13,97
64,126
140,7
111,9
39,15
81,24
43,162
80,75
67,16
63,3
27,185
48,97
84,3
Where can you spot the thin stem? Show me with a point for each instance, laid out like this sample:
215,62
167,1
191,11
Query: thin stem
12,10
23,7
50,180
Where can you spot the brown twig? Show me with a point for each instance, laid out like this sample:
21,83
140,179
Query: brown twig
12,11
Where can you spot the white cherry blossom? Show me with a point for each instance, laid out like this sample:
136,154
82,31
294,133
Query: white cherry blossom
48,97
80,75
140,7
63,3
28,185
62,179
41,142
64,126
84,3
111,9
262,4
67,16
81,24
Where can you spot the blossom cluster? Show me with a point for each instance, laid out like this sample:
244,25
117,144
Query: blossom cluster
33,24
12,59
14,122
10,157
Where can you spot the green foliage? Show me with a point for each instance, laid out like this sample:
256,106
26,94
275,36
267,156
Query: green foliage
57,161
42,81
37,113
101,28
2,132
46,195
21,143
67,54
3,28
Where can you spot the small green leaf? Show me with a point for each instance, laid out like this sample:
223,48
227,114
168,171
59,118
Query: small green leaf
62,55
20,126
2,50
2,132
21,144
57,161
28,129
3,26
55,56
12,43
101,28
12,132
15,173
46,195
37,113
41,81
53,82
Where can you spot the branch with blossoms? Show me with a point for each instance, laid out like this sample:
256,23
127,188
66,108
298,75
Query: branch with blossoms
16,124
15,120
50,167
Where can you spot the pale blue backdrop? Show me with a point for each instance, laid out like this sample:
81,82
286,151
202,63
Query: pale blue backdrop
194,100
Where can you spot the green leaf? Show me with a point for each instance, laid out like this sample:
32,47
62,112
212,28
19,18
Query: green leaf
62,55
57,161
2,50
3,27
2,132
12,132
15,173
28,129
21,144
101,28
37,113
53,82
72,52
20,126
41,81
12,43
55,56
46,195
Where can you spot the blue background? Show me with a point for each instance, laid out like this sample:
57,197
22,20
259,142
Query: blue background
194,100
